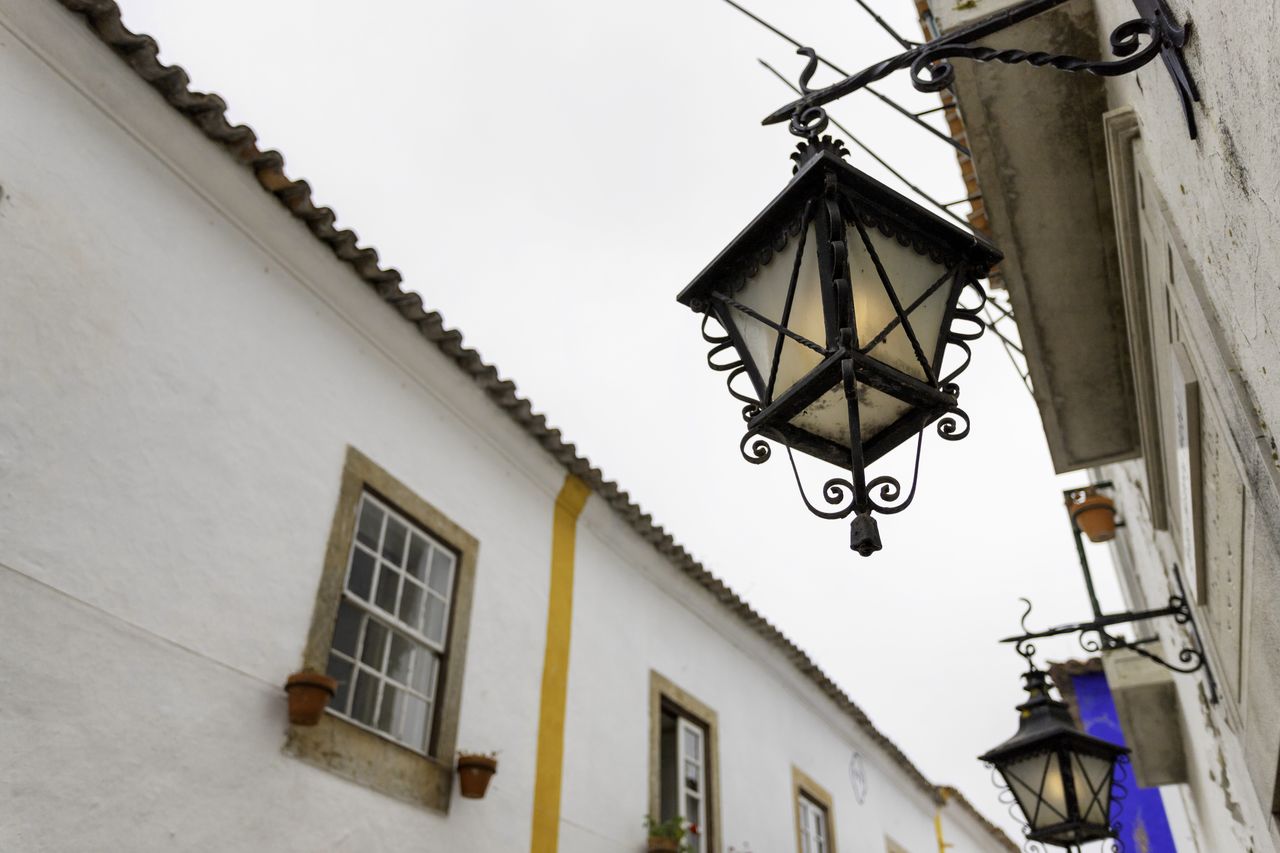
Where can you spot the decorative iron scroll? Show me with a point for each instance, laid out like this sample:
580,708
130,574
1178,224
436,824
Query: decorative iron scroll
1093,636
932,71
885,492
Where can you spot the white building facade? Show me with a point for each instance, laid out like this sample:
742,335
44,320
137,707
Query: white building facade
233,448
1144,269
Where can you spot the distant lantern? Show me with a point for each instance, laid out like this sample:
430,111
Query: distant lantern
1061,778
840,299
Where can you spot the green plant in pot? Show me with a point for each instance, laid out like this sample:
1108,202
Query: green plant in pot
668,836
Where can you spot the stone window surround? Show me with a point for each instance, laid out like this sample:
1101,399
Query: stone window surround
803,785
344,748
1230,402
663,691
1173,292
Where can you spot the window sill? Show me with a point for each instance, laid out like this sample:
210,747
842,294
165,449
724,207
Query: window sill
367,759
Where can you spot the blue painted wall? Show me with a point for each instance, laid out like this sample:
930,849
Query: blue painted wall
1144,825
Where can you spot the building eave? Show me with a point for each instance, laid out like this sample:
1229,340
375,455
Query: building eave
1037,143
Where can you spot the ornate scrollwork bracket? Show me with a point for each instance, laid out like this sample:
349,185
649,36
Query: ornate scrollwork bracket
1134,43
1094,636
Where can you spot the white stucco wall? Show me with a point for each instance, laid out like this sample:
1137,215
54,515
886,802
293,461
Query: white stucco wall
183,367
1218,808
1215,255
1223,188
1222,197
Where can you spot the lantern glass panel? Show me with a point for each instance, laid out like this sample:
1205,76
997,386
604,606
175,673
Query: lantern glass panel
912,275
1036,781
924,289
766,294
1092,777
828,416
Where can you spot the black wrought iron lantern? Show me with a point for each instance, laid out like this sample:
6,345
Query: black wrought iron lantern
840,300
1062,779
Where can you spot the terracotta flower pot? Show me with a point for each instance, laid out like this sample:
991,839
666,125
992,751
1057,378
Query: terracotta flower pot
474,773
1096,517
664,845
309,693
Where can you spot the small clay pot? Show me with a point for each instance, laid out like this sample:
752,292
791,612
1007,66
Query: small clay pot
664,845
1096,517
474,773
309,693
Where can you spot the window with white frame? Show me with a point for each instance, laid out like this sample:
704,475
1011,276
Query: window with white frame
814,834
392,626
683,774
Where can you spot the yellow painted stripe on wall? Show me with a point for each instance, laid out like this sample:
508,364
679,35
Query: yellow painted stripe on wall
555,668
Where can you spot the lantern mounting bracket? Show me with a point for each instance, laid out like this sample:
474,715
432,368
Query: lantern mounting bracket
932,70
1094,634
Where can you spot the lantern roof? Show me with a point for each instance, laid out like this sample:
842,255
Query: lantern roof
1045,724
878,206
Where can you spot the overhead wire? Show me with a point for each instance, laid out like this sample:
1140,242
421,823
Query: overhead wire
884,25
1010,347
874,156
887,100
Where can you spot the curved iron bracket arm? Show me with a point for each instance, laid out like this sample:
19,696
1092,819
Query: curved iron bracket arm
1191,658
932,71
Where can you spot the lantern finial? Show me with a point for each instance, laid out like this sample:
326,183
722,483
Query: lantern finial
814,146
865,534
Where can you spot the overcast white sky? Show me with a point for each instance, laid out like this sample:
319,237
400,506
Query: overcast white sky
548,175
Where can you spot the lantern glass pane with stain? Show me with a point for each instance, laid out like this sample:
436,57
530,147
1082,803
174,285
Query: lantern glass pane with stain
924,287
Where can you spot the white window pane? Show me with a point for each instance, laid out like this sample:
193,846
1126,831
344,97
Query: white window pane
364,697
424,675
400,660
370,526
691,776
419,550
375,641
346,630
389,710
693,744
393,541
412,604
411,727
813,826
360,577
441,572
434,630
388,587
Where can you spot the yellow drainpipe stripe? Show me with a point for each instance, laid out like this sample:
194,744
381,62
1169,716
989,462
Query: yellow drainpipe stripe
555,668
945,794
